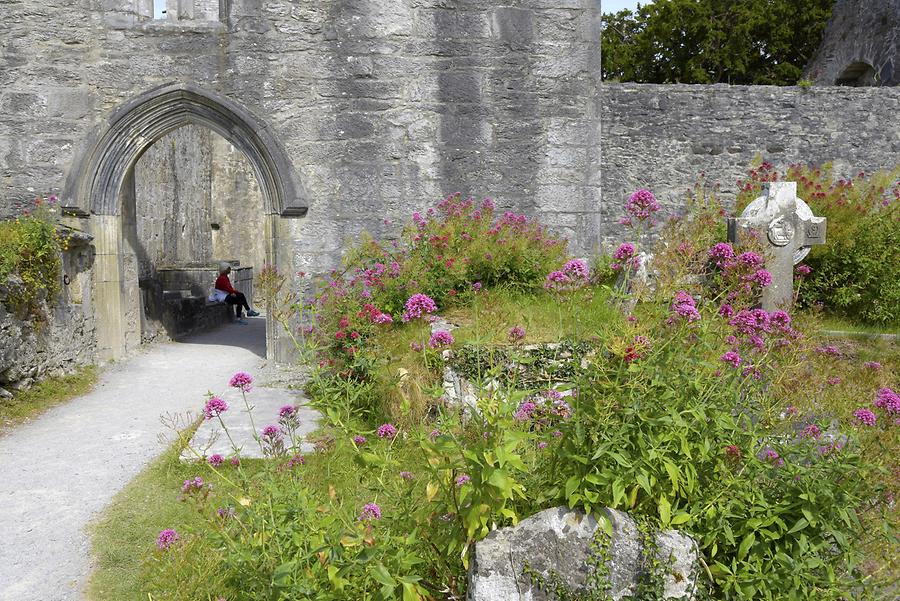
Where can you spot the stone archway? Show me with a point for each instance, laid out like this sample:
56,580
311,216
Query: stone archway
857,74
96,187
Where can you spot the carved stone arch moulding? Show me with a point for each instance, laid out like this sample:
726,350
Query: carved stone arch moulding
93,185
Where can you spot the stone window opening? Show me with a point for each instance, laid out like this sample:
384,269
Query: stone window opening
181,11
857,74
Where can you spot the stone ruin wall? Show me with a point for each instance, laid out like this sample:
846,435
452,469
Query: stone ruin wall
860,32
384,107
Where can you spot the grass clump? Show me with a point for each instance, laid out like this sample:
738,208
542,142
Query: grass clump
26,404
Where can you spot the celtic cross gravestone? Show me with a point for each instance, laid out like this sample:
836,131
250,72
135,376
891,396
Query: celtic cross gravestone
788,229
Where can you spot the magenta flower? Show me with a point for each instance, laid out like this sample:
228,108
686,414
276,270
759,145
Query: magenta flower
556,280
888,400
166,539
516,334
624,252
865,417
641,205
216,460
406,476
190,485
387,431
523,413
684,306
773,457
833,381
383,318
214,407
370,512
359,440
811,431
287,411
241,380
476,287
751,260
434,434
873,365
830,351
803,270
542,445
722,254
416,346
732,358
236,461
576,269
271,432
440,339
726,310
296,460
791,410
462,479
761,277
418,305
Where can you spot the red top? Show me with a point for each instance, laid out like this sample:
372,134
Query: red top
224,284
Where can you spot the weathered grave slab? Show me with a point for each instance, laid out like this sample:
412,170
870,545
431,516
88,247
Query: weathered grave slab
265,402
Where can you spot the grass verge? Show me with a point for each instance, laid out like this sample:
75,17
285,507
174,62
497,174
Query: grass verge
27,404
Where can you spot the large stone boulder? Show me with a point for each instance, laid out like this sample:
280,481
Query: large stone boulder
564,546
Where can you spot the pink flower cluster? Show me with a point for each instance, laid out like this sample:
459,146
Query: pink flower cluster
516,334
641,205
387,431
370,512
417,306
573,275
440,339
374,315
685,307
241,380
888,400
865,417
166,539
624,256
214,407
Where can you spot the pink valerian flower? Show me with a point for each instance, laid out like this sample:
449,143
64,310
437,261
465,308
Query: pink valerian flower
215,460
888,400
830,351
214,407
761,277
624,252
383,318
271,432
343,323
556,280
524,412
192,484
241,380
733,451
722,254
295,461
772,456
811,431
287,412
732,358
434,434
751,260
865,417
166,539
462,479
416,346
406,476
370,512
780,319
803,270
833,381
516,334
685,307
542,445
873,365
476,287
576,269
556,434
236,461
726,310
641,205
440,339
387,431
359,440
417,306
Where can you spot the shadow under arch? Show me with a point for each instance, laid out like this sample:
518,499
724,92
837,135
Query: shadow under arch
94,185
98,188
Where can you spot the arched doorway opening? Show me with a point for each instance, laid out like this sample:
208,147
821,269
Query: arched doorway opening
857,74
103,187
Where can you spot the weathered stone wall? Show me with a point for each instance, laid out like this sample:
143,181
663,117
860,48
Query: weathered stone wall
383,107
861,33
663,137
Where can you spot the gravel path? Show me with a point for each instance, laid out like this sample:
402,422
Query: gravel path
60,470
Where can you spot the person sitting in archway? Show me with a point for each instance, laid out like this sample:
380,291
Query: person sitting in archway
224,291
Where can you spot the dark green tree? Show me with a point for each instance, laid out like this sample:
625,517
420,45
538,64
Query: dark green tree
713,41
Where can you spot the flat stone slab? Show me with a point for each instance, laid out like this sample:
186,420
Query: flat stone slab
265,402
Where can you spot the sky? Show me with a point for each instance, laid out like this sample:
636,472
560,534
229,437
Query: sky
614,6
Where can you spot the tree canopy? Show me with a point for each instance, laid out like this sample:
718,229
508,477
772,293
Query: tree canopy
713,41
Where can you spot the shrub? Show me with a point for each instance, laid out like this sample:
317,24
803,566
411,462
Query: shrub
29,258
855,273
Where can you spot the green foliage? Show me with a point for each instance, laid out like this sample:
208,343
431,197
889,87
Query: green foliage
47,393
29,261
710,41
855,273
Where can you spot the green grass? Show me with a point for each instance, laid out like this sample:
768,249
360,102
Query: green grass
48,393
834,323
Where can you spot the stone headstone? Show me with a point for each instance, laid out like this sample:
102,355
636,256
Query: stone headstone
788,229
559,543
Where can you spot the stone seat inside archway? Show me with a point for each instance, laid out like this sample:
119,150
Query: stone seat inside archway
177,298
